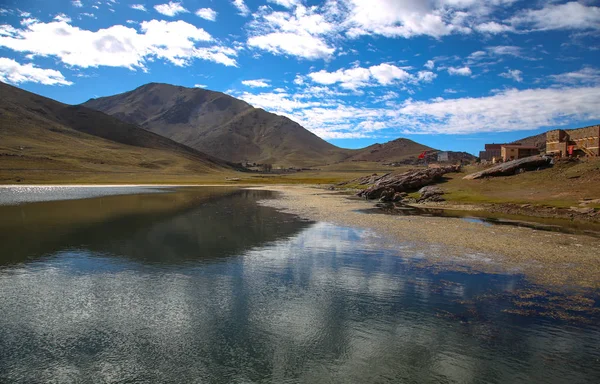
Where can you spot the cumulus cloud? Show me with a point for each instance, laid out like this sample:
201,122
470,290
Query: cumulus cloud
406,18
347,78
307,47
139,7
301,33
572,15
207,14
241,7
514,74
62,17
493,27
386,74
170,9
382,74
462,71
177,42
77,3
15,73
258,83
286,3
429,64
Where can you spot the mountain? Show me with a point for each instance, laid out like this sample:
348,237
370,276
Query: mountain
41,134
219,125
392,151
534,141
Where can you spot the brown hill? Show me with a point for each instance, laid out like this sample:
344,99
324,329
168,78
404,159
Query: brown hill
390,152
37,133
534,141
220,125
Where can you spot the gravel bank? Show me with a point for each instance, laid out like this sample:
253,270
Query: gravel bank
548,258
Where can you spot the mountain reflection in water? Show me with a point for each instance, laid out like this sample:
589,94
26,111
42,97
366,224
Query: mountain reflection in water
218,289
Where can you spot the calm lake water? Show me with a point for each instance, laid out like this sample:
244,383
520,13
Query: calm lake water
206,286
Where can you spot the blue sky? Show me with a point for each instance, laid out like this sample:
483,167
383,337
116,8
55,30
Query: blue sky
452,74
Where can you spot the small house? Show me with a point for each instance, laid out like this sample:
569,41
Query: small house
510,152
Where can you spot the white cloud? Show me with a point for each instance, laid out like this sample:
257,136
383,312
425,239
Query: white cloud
77,3
200,85
177,42
29,21
304,46
15,73
585,76
170,9
514,74
279,102
348,78
425,76
509,110
207,14
301,33
286,3
139,7
572,15
429,64
382,74
494,28
405,18
509,50
241,6
463,71
386,74
62,17
329,116
258,83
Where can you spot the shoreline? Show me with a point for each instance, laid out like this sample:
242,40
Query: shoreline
553,259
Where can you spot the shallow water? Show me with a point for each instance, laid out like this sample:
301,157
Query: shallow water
493,218
207,286
29,194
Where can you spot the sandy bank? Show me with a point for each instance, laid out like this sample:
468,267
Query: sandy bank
549,258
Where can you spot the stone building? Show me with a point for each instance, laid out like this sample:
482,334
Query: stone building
582,141
510,152
492,151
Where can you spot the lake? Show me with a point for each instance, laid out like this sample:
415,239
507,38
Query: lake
205,285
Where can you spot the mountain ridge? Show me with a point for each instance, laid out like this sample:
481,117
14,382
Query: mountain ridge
220,125
40,132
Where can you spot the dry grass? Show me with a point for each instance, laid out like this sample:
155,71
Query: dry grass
563,185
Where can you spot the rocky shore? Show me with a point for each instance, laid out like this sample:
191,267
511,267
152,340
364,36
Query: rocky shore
554,259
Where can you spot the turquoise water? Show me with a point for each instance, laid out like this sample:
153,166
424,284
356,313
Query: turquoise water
209,287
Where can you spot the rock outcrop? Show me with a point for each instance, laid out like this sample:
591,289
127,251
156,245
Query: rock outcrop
512,167
386,186
430,193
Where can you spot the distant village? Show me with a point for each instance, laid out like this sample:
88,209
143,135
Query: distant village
581,142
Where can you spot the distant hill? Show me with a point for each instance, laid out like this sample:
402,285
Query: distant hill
534,141
220,125
392,151
37,133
